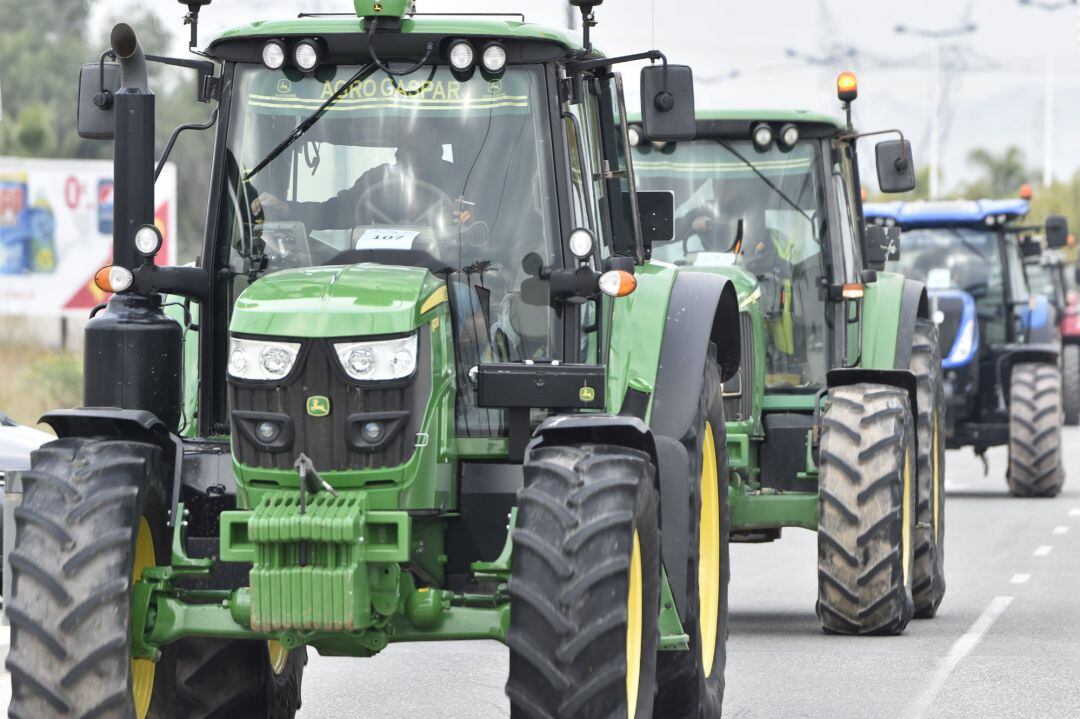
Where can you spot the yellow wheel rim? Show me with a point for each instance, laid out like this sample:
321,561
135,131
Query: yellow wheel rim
142,670
709,552
905,517
279,656
633,630
937,479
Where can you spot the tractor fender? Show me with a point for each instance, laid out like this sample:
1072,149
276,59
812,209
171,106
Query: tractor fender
901,378
1041,322
137,425
914,305
698,302
672,477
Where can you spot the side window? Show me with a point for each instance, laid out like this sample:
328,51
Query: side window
1017,280
843,174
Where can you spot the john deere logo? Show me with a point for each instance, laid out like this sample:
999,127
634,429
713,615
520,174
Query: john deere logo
318,406
377,7
284,87
586,394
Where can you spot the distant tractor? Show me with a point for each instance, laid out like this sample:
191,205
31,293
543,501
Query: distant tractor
1049,277
1003,382
423,384
833,419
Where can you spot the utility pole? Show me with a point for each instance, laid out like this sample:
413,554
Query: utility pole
936,96
1051,7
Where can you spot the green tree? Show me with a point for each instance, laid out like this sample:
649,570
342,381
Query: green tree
1001,174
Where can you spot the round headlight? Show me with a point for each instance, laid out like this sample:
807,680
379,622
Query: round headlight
275,360
147,240
494,58
237,363
789,135
273,55
762,135
462,55
361,361
634,134
267,431
581,243
371,432
306,55
402,363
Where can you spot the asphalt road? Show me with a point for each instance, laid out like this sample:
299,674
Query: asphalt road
1006,642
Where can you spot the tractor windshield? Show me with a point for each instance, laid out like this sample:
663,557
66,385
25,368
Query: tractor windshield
763,212
1042,280
957,258
424,170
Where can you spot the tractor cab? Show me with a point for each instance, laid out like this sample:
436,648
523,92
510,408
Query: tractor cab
971,256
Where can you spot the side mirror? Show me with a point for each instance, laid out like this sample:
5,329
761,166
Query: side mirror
895,166
1030,247
882,245
1076,275
657,211
1057,232
667,102
98,84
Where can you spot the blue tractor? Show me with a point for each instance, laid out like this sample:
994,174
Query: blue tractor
999,341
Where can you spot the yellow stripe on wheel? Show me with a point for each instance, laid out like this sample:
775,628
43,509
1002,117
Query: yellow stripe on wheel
279,656
634,601
709,552
142,670
905,517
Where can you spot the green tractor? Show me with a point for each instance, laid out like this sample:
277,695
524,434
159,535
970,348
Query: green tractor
833,421
422,385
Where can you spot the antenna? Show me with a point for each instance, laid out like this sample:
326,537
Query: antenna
192,19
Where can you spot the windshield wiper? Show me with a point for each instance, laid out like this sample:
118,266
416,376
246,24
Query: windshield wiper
727,146
311,119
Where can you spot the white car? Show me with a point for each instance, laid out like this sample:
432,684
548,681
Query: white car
17,442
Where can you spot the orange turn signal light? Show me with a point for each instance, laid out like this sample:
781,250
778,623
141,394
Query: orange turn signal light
617,283
1026,191
113,278
853,291
1071,242
847,86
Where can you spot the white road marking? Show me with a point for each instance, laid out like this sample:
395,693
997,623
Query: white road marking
1043,550
1074,512
1020,578
960,649
1062,529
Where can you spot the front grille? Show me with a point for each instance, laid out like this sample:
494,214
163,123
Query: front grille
953,310
738,408
324,439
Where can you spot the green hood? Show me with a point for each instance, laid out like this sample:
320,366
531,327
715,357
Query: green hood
745,283
349,301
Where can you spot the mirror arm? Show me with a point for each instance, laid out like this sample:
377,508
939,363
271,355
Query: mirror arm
191,282
176,134
205,68
577,66
103,100
901,162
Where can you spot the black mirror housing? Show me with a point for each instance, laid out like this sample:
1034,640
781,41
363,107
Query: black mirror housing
667,102
98,84
1057,232
882,245
895,166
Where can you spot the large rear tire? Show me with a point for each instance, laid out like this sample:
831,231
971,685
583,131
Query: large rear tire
93,516
928,583
866,511
585,585
1035,431
1070,380
692,683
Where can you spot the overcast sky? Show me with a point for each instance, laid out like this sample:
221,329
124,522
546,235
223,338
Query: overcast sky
740,55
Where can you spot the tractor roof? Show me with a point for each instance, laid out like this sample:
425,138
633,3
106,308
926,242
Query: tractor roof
950,212
799,117
440,26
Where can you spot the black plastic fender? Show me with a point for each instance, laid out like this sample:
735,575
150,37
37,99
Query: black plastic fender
698,301
1009,355
914,305
137,425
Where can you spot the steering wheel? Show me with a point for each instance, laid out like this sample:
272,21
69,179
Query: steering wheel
392,190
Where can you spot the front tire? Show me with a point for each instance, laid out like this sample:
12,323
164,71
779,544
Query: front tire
866,511
585,585
928,583
1035,431
1070,380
